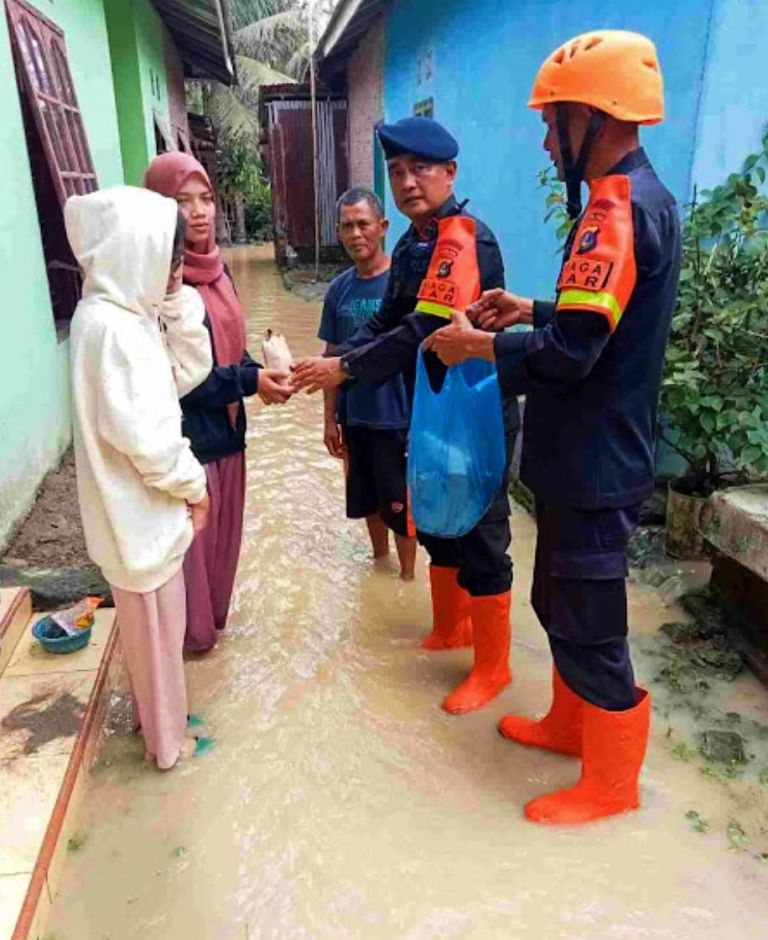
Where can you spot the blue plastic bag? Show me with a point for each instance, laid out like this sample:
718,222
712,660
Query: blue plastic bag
457,449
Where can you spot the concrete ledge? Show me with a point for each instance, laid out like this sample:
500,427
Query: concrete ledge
735,522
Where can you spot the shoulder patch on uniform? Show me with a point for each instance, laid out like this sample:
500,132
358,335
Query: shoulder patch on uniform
599,274
453,278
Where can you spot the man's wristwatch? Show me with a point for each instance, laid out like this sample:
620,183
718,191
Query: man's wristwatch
344,366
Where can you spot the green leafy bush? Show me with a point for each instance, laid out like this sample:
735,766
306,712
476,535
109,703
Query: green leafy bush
715,389
241,175
555,203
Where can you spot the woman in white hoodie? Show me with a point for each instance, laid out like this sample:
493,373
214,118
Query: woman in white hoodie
142,492
214,414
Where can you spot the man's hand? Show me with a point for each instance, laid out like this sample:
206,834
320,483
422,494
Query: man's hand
497,309
332,438
275,387
460,341
199,513
318,372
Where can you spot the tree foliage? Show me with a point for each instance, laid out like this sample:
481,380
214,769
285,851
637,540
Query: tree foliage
271,47
271,39
240,173
555,203
234,111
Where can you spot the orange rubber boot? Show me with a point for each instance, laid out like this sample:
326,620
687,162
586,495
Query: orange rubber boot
451,611
613,747
559,730
490,672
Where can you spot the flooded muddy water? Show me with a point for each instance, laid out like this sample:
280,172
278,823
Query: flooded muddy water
341,802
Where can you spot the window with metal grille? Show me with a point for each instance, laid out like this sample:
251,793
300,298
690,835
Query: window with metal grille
59,156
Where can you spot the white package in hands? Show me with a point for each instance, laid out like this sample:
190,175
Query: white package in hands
275,352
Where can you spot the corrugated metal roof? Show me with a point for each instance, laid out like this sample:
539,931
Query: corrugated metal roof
200,29
350,22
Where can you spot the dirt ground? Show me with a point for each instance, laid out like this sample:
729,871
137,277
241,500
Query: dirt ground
52,535
48,552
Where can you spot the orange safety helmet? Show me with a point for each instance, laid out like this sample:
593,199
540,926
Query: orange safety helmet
613,70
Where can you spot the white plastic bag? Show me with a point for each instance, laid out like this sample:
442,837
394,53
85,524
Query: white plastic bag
275,352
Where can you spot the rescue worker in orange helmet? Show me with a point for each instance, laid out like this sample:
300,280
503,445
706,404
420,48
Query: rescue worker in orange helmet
591,369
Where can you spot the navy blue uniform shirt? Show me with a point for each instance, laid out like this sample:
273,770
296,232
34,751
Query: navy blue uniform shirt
388,343
592,381
350,303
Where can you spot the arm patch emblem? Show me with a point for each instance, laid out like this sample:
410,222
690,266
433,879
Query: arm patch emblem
600,273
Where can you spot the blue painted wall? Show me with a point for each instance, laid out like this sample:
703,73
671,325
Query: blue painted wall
485,57
734,110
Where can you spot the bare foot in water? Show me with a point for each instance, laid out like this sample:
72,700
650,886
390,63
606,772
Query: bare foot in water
192,747
187,750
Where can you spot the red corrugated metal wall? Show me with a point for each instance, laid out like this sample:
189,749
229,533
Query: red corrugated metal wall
289,138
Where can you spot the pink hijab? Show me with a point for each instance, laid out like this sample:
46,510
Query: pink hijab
167,175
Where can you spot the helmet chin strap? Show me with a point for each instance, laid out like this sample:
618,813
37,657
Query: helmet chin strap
574,170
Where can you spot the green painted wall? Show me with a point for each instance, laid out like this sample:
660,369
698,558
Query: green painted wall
127,85
136,35
34,379
154,78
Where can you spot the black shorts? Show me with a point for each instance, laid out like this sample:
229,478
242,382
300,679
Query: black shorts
376,475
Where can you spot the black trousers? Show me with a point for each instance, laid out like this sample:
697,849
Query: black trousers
481,555
579,595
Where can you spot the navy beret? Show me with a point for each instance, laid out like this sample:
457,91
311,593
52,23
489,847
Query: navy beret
420,136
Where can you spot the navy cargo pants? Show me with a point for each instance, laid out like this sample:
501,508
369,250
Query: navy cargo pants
579,595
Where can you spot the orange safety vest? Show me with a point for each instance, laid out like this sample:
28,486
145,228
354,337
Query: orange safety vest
453,279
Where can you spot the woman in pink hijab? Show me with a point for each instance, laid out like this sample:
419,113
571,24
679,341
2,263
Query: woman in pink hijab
213,413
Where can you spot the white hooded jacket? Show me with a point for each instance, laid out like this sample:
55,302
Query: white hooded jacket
135,471
187,339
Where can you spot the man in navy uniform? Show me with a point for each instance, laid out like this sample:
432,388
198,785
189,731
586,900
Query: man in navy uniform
592,370
471,576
